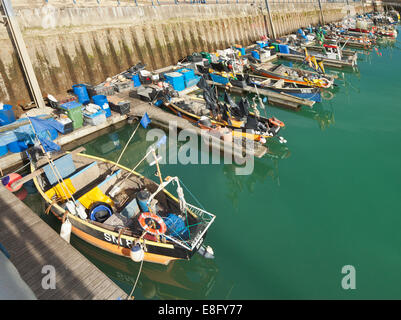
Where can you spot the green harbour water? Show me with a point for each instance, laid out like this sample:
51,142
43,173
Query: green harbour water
328,198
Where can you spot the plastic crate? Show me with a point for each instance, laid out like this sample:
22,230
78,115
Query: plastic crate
176,79
219,79
124,86
101,90
122,107
192,82
95,119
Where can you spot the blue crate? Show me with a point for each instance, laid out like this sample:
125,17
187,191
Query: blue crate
219,79
70,105
176,79
192,82
189,74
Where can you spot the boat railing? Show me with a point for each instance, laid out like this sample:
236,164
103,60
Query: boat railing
205,220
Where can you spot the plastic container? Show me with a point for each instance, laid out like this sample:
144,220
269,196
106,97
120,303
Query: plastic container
283,48
219,79
81,92
131,210
101,101
255,54
176,79
192,82
74,112
6,115
142,197
3,150
122,107
188,74
101,90
137,81
176,226
125,86
100,213
95,119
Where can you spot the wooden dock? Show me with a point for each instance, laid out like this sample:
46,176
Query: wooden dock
32,244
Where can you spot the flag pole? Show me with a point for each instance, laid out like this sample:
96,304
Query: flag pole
125,147
52,165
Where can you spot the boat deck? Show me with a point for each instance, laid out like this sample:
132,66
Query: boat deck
32,244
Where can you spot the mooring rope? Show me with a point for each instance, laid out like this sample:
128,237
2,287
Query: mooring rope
18,170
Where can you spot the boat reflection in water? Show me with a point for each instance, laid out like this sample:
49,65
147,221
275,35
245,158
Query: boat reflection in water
179,280
265,167
323,117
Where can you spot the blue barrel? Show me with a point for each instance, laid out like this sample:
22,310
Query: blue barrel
6,115
81,92
102,102
137,81
142,197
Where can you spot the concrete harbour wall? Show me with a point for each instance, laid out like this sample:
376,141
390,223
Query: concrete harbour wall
88,42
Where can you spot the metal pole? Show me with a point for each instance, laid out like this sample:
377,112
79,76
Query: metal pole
321,12
270,19
23,54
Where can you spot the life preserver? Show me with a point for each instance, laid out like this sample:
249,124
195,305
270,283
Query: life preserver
147,215
276,122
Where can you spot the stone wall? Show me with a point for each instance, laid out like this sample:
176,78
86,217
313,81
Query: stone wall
86,43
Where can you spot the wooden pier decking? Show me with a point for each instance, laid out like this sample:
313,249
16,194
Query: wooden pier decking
32,244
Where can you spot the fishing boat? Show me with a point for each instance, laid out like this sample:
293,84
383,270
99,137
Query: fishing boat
115,208
288,87
209,113
330,53
141,211
294,75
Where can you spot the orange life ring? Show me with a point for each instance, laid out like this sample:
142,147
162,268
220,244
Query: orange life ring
276,122
147,215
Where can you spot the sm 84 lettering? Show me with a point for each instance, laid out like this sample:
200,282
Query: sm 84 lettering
221,309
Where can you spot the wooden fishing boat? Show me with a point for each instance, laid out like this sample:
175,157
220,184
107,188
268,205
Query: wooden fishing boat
276,85
288,87
330,53
352,41
121,208
251,127
298,76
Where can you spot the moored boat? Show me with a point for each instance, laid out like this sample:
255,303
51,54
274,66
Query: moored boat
169,228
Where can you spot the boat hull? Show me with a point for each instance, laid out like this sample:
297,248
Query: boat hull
114,241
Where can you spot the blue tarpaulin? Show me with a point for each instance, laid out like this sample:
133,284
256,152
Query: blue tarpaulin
44,125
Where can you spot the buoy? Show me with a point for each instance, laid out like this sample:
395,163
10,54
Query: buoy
10,179
65,231
137,254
